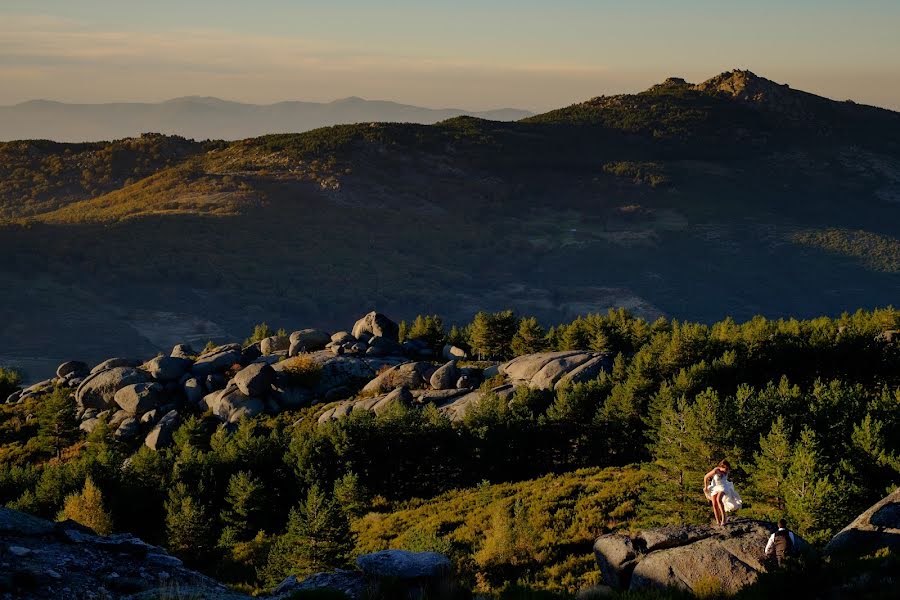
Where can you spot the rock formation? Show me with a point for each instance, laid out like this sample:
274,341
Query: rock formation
685,556
876,528
44,560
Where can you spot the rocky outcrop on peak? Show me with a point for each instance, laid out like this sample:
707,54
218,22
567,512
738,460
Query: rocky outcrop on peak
686,556
61,561
876,528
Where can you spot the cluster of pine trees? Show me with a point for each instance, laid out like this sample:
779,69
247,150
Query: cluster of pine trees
807,411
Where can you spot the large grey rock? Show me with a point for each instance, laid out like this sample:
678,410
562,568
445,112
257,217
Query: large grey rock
72,368
351,583
553,370
255,379
523,368
412,375
117,418
451,352
275,343
402,565
183,351
292,398
98,390
342,337
445,377
128,429
686,557
168,368
309,340
586,371
110,363
231,404
400,396
138,398
376,324
217,360
878,527
161,435
616,558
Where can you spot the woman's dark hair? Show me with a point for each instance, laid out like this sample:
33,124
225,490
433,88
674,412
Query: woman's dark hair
725,464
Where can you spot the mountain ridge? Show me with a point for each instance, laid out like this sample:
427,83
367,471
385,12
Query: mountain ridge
660,201
208,117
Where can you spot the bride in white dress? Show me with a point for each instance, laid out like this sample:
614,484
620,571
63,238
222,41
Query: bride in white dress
720,491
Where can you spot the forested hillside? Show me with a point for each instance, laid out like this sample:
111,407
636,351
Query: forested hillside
808,412
737,196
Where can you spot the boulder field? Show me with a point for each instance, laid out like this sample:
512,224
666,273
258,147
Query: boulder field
367,368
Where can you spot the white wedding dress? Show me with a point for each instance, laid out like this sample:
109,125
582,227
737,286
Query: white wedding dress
731,501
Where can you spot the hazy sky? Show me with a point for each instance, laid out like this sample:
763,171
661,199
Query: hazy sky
462,53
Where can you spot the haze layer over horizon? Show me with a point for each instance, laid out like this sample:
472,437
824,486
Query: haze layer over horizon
466,54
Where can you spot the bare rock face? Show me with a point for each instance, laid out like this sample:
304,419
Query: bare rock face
161,435
413,375
445,377
275,343
376,324
548,370
43,560
876,528
216,360
255,379
99,389
683,557
308,340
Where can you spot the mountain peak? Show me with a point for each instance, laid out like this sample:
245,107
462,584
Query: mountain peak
745,85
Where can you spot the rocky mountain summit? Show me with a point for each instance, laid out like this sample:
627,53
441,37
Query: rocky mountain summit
367,368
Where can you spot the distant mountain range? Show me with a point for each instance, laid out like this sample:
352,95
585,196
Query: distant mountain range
202,118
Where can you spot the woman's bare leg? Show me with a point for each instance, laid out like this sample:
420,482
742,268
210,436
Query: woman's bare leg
722,510
717,507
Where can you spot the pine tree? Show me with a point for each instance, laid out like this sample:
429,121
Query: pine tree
57,423
772,463
244,507
350,494
458,337
491,333
428,328
807,489
529,338
188,527
260,332
318,538
86,508
691,438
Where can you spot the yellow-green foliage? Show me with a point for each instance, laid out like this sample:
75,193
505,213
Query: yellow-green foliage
87,509
302,370
185,189
540,530
878,252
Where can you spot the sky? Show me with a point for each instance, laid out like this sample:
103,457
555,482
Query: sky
463,54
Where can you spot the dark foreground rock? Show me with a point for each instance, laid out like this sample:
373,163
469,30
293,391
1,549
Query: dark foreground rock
394,574
685,557
64,561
